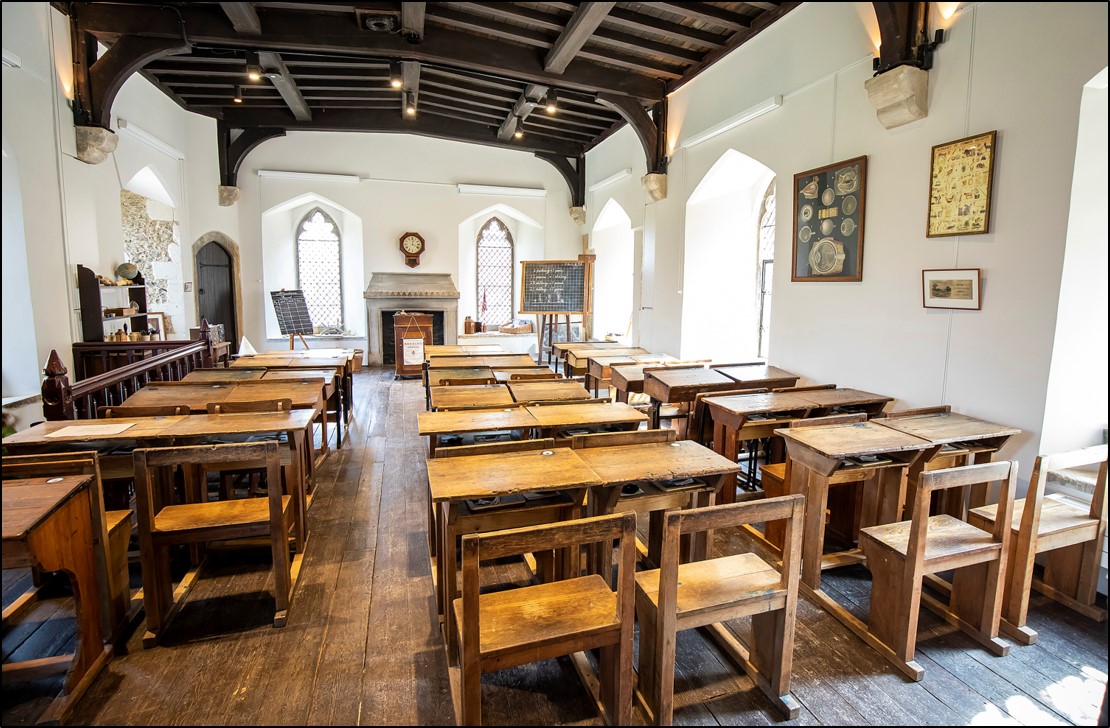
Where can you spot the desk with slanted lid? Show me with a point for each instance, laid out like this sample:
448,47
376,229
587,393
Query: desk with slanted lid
576,362
47,524
681,385
558,350
834,401
453,481
434,425
459,350
755,376
588,415
222,375
471,395
599,369
547,390
953,435
495,361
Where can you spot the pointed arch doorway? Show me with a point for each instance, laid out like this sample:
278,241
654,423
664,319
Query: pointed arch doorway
216,288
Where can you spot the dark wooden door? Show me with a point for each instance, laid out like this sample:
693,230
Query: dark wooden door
216,289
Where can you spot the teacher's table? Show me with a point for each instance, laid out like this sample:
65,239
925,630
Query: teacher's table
547,390
47,525
481,395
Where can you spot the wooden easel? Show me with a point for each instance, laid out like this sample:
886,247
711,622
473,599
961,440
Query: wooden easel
292,345
548,323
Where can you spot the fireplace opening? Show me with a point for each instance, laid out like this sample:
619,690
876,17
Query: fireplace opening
388,334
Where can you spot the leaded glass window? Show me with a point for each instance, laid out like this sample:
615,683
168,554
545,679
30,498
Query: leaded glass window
495,273
766,266
319,268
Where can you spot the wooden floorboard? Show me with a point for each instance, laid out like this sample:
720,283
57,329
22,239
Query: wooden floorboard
363,646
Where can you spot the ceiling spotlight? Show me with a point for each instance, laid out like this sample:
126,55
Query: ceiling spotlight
254,67
238,95
551,102
395,74
519,133
410,104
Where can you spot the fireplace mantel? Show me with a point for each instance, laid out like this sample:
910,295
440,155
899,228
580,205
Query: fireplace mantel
409,292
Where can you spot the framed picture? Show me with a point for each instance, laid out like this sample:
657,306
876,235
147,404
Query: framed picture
157,321
960,186
828,222
951,288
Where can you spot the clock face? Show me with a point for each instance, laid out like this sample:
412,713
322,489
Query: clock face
412,244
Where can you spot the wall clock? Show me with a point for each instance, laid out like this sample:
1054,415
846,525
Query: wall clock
412,245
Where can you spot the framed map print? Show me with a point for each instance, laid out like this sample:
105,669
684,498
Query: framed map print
828,222
960,186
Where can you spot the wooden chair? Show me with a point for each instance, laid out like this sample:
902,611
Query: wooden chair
162,526
519,377
480,518
613,439
510,628
1069,536
901,554
165,410
111,530
677,597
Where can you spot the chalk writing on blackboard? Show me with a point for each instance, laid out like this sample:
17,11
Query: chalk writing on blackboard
292,312
553,286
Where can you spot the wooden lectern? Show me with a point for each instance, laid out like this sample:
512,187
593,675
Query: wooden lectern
411,333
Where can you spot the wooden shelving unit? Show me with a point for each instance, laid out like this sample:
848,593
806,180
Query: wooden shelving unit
92,305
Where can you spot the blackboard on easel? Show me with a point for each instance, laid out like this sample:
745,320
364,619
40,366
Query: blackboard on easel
292,314
555,287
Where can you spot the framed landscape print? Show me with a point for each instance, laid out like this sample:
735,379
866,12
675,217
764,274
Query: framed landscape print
828,222
951,288
960,186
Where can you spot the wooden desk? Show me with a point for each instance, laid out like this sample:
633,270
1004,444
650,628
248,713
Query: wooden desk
222,376
576,362
742,417
558,349
817,458
658,461
47,524
952,435
599,368
681,385
833,401
340,360
482,395
495,361
437,376
592,414
434,425
50,434
453,481
627,379
754,376
504,375
456,349
547,390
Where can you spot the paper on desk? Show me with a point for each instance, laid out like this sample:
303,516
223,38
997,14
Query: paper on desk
90,430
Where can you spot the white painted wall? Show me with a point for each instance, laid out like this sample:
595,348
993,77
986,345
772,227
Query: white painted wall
20,355
875,334
408,183
611,240
1075,412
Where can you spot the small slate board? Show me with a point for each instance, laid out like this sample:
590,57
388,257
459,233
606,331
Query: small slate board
292,312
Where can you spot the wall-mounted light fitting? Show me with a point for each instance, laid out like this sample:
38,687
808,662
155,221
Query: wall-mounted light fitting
238,98
551,102
410,103
395,74
254,66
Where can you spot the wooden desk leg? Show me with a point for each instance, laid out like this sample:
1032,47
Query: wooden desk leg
622,395
603,501
815,488
297,486
656,405
64,542
725,438
698,546
448,556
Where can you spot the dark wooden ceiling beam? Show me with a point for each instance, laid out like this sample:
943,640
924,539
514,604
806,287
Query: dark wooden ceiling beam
274,69
622,18
764,6
388,122
580,27
901,26
641,123
573,174
522,107
602,36
708,13
234,149
285,31
479,80
243,18
412,21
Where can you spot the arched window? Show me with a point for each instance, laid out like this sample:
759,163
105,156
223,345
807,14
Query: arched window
495,273
766,266
320,268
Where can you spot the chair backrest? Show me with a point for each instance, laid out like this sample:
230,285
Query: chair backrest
845,419
466,382
259,405
942,409
495,448
932,481
513,542
557,402
612,439
676,523
1045,464
161,410
806,388
154,468
520,377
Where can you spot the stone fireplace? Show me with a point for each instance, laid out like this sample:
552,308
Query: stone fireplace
413,292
